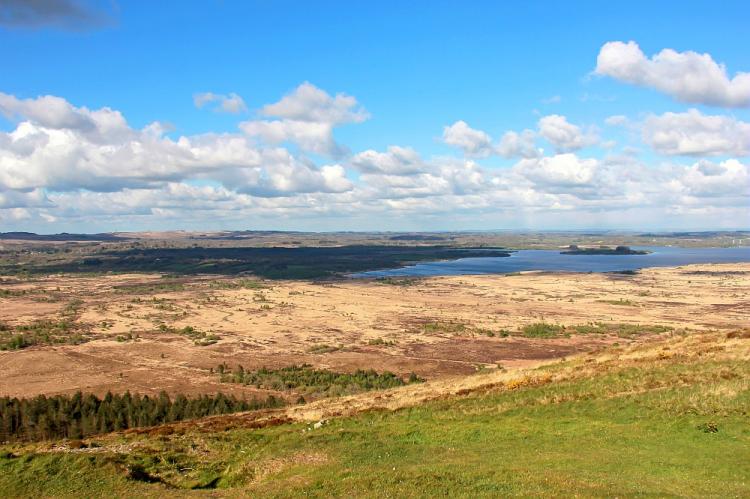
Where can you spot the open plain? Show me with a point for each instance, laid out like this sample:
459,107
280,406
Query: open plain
151,332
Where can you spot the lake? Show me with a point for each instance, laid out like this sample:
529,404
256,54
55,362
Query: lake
552,260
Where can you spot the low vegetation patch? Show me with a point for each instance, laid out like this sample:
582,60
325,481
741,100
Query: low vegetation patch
306,380
395,281
380,342
200,338
542,330
620,301
150,288
621,330
63,331
444,327
637,425
239,284
322,348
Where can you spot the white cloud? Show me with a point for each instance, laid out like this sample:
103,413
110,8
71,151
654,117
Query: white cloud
282,175
59,147
232,103
616,120
308,116
309,136
514,144
725,179
472,142
695,134
309,103
20,199
686,76
564,135
478,144
77,167
561,170
397,161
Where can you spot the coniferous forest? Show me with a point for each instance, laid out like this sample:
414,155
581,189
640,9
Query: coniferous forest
80,416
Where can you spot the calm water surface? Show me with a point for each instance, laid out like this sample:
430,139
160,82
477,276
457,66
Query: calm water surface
552,260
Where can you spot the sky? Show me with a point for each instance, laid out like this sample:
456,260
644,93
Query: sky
323,116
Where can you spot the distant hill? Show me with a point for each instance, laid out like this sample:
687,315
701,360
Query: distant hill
63,236
417,237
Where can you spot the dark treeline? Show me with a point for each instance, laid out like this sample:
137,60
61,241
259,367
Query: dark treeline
267,262
80,416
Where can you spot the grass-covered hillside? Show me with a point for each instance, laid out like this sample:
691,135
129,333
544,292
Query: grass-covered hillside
670,419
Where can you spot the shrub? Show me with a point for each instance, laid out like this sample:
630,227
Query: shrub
542,330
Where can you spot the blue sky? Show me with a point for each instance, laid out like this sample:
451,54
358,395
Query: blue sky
415,68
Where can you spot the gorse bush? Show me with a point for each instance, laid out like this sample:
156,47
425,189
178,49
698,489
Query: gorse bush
80,416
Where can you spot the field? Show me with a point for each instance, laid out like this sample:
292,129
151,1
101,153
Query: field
668,418
592,384
148,333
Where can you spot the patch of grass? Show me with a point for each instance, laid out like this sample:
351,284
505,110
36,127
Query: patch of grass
620,301
380,341
620,329
542,330
502,333
394,281
443,327
42,332
123,338
150,288
200,338
652,427
239,284
322,348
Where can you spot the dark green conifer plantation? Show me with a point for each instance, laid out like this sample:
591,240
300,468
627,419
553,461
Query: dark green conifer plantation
79,416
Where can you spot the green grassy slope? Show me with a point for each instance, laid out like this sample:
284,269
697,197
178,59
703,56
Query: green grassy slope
627,425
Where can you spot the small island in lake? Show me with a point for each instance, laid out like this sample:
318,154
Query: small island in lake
574,249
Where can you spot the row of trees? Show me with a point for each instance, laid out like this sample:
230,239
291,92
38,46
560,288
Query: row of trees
80,416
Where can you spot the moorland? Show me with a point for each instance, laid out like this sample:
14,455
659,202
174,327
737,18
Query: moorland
250,363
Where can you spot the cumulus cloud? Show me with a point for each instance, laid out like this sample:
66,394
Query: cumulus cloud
616,120
19,199
472,142
695,134
231,103
395,161
65,14
564,135
309,103
478,144
72,165
308,116
514,144
282,174
561,170
707,179
58,146
686,76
